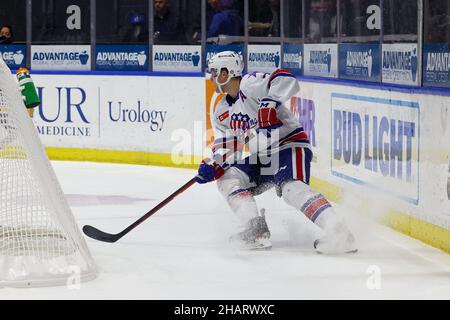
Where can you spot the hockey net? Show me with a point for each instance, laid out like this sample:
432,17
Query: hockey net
40,243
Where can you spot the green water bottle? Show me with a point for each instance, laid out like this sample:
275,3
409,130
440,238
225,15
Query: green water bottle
29,92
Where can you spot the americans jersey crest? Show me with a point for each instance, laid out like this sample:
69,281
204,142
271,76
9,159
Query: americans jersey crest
239,122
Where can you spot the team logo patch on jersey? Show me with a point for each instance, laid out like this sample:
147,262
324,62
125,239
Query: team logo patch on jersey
224,115
240,121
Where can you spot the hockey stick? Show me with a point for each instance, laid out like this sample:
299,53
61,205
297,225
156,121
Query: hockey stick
97,234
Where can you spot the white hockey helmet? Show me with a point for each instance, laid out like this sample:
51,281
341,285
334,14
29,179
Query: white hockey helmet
230,60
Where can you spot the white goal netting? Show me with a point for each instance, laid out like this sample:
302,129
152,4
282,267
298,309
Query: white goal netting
40,242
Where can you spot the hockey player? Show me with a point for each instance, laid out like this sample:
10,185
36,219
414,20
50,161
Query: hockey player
255,102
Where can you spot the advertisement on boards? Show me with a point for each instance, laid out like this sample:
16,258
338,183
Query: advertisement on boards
121,57
359,62
293,58
14,55
153,114
61,57
400,63
436,65
177,58
263,58
375,142
321,60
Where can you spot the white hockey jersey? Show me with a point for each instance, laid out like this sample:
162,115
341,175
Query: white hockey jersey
234,118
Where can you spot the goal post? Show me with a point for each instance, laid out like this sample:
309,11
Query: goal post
40,242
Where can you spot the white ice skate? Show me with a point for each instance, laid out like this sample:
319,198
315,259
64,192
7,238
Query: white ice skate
255,236
338,242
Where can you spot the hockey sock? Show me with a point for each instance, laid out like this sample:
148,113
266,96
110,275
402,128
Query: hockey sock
243,205
312,204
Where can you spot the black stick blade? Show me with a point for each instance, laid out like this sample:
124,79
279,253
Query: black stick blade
96,234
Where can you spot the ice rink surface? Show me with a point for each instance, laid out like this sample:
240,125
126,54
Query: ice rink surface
182,252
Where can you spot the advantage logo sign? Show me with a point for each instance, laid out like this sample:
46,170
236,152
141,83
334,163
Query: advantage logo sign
50,57
14,55
177,58
359,62
436,66
263,58
375,142
400,63
121,57
321,60
293,58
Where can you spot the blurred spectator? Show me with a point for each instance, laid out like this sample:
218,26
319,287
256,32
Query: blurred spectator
274,29
225,19
6,34
437,21
293,26
168,27
264,19
135,28
259,18
322,20
400,17
355,17
52,24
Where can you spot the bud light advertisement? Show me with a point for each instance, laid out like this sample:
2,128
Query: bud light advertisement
400,63
436,65
321,60
293,58
375,142
52,57
14,55
359,62
177,58
121,57
263,58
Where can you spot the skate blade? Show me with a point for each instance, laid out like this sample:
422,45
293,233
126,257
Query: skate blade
260,244
263,244
337,253
334,252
